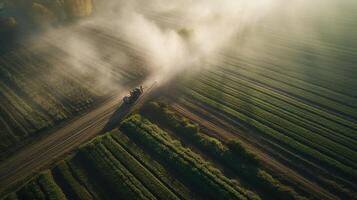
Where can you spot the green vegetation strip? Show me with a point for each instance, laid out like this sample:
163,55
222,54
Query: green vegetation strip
42,187
235,156
49,187
289,124
287,88
295,99
138,170
235,111
336,127
31,191
153,166
188,164
285,77
76,190
125,175
118,178
88,179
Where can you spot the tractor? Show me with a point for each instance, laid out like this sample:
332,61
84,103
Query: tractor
134,95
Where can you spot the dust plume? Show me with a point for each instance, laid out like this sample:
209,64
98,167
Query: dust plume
164,37
197,30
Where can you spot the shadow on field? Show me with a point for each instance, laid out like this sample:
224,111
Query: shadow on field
120,113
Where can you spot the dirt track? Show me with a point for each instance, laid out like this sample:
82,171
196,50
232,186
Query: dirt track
43,152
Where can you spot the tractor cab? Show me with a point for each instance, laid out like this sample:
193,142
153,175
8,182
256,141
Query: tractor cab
134,95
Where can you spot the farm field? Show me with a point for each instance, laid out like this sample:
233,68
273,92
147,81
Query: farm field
31,102
160,155
295,93
141,161
42,84
41,88
232,108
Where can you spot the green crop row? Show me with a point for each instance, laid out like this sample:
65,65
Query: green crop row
191,166
88,178
109,167
286,77
270,132
340,123
295,160
157,188
42,187
287,123
153,166
120,181
234,155
299,93
291,60
74,189
282,125
31,191
329,126
49,186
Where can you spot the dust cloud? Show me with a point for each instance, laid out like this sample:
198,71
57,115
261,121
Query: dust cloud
169,37
164,37
197,31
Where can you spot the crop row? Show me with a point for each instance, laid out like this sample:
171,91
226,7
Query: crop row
255,121
297,67
320,118
296,161
285,76
62,182
289,123
108,167
313,98
154,185
236,93
152,165
307,58
146,180
40,85
234,156
31,101
74,189
117,177
42,187
190,165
